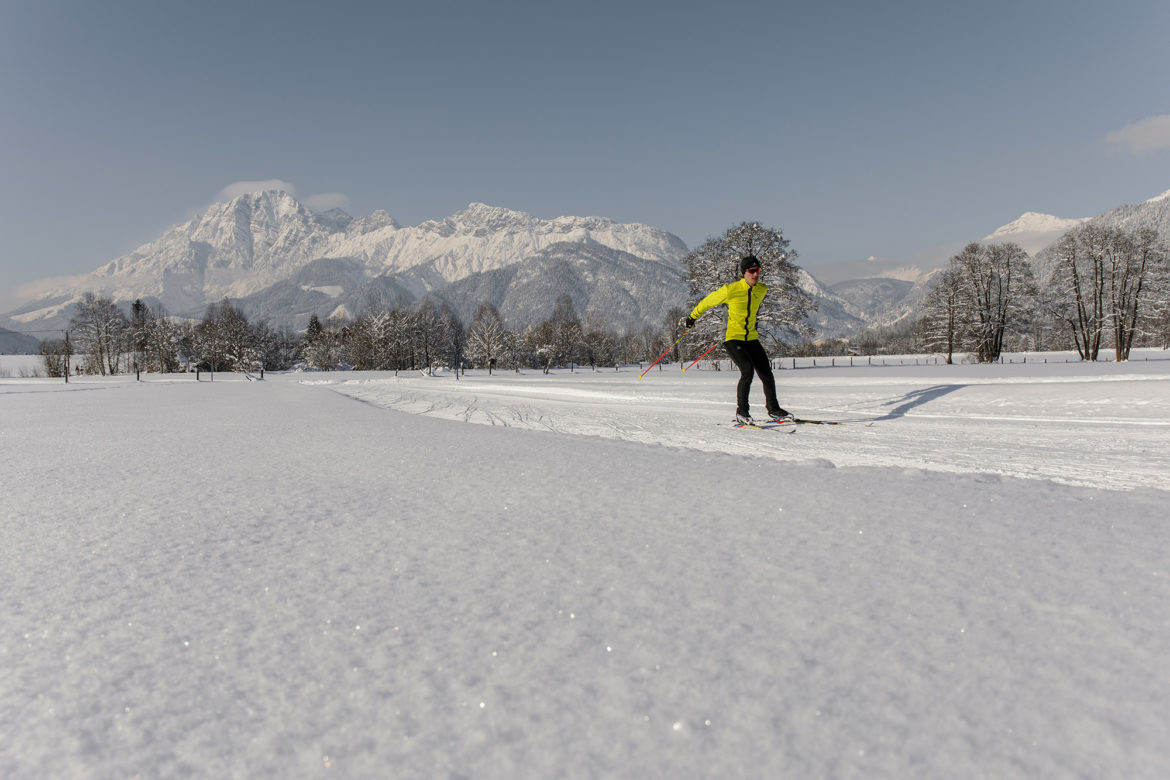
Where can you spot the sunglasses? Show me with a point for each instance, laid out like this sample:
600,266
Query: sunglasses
752,271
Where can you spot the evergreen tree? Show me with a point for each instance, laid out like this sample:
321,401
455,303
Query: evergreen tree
139,333
314,328
319,347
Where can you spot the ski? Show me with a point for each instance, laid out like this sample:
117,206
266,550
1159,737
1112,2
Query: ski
801,421
785,427
789,426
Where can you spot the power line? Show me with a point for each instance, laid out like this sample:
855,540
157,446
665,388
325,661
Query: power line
30,332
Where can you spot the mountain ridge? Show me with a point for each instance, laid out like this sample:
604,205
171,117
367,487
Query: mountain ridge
284,262
264,241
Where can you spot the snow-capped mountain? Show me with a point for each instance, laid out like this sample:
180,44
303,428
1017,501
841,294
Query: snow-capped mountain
286,262
283,263
889,296
868,299
1033,231
1152,214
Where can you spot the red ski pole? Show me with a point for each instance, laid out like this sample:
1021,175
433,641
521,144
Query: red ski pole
700,357
664,354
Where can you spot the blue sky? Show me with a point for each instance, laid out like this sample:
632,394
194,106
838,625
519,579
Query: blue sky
858,128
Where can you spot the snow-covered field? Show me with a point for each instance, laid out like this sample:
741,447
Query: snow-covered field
584,574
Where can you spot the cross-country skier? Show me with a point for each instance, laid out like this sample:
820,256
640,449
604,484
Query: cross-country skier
742,342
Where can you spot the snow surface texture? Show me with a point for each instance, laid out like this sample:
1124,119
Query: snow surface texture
269,579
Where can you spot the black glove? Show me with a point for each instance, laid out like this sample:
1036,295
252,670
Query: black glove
689,322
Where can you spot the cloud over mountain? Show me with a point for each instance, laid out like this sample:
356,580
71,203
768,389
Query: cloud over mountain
1147,135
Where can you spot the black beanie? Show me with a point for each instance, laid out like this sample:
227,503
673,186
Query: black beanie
748,263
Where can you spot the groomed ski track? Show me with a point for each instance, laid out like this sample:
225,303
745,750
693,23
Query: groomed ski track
1041,421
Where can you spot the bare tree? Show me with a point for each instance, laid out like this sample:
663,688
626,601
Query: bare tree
1075,287
559,340
278,347
1105,278
939,327
598,342
489,341
1137,268
997,294
99,330
716,263
437,334
55,354
224,338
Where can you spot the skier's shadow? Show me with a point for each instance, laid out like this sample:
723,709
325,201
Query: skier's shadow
917,398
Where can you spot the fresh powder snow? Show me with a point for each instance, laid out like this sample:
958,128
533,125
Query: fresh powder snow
588,574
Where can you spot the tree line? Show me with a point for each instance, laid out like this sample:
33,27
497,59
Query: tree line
428,336
1100,286
1099,282
109,342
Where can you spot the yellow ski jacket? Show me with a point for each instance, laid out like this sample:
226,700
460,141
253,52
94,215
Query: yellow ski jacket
743,302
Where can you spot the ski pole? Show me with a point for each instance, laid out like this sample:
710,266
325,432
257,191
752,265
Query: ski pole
700,357
664,354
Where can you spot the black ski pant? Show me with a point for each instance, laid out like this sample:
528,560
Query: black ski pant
750,358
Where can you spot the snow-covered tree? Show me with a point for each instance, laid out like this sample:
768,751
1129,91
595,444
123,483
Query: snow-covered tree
1075,287
321,347
997,295
598,343
489,342
438,335
98,330
224,339
279,348
139,332
939,327
1107,278
1138,273
559,340
313,330
323,350
162,345
716,263
366,340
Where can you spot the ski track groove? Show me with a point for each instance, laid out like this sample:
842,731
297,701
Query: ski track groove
929,426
